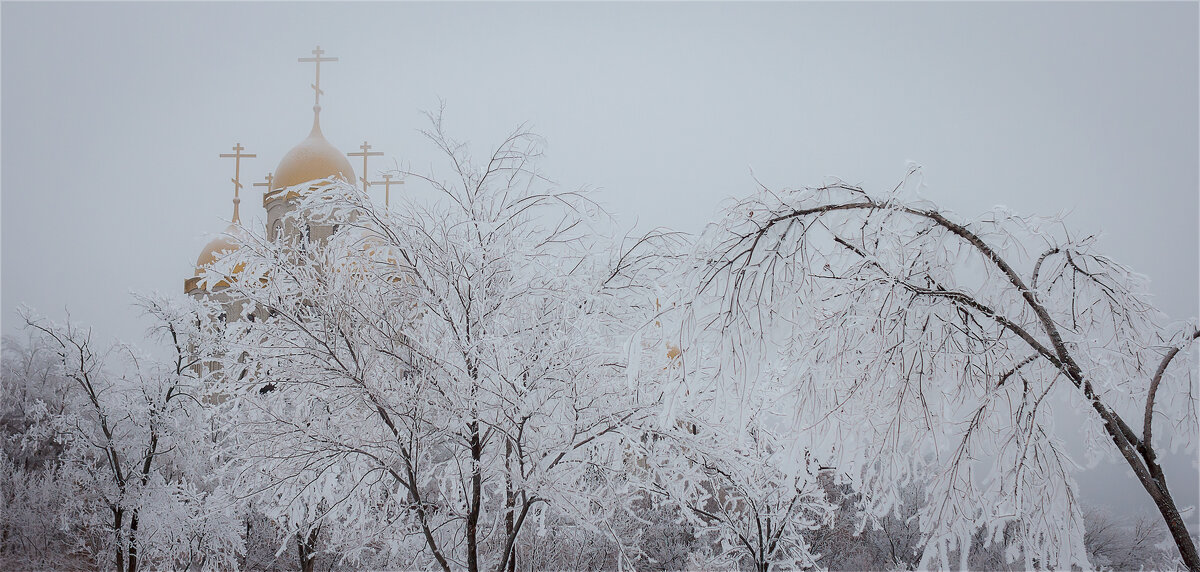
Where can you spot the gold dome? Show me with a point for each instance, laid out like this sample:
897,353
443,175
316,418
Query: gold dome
313,158
223,244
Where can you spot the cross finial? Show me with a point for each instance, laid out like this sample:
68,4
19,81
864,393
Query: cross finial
267,183
317,59
237,176
387,183
366,152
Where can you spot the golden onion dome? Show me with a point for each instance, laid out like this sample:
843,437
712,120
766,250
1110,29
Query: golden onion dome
313,158
223,244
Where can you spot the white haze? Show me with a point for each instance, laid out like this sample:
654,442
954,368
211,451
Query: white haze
113,116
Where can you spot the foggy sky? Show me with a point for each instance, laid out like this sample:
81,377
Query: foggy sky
113,116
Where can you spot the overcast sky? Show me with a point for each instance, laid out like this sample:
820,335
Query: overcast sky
113,116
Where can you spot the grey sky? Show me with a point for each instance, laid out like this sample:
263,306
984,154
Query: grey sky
113,116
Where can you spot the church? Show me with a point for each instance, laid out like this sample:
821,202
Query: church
313,159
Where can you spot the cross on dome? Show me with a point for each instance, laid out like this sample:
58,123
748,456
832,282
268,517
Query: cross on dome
266,183
317,59
366,152
314,158
387,183
237,156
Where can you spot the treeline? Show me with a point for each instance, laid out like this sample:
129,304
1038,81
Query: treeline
824,378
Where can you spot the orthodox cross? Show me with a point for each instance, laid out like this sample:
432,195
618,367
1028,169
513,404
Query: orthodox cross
266,184
387,183
365,153
317,59
237,175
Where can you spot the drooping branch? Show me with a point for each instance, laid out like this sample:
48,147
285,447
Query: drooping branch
1148,416
746,263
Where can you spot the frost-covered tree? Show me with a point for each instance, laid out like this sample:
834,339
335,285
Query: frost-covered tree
132,445
916,344
29,383
437,375
1132,545
857,540
743,489
34,533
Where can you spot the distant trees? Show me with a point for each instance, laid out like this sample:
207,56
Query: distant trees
855,540
32,500
912,344
740,487
118,442
1116,545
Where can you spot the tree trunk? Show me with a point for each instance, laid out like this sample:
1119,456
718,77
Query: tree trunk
1141,460
510,504
306,548
1166,507
476,493
133,554
118,523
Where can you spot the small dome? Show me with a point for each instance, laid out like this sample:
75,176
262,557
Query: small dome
313,158
226,242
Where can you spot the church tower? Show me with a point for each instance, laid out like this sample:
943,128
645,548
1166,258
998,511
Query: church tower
313,159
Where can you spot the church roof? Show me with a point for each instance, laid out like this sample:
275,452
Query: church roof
312,159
